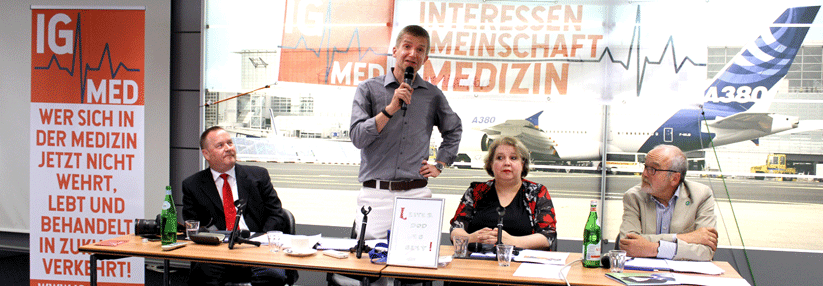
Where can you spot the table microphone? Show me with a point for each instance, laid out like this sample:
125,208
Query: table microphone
605,261
501,211
361,243
236,234
408,77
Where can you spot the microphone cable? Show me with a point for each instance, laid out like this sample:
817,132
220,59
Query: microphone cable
564,267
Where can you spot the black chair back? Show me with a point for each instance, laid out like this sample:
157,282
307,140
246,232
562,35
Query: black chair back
290,228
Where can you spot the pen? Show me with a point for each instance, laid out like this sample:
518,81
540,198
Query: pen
640,268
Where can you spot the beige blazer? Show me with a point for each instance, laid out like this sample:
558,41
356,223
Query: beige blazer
694,209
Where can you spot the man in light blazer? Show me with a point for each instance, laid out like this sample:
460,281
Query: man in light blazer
666,216
204,200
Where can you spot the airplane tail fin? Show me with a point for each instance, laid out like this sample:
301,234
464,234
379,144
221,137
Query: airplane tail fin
748,80
533,119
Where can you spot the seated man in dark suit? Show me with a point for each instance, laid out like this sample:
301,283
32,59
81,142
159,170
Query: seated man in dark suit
209,195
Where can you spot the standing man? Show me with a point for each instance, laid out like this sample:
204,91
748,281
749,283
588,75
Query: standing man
666,216
394,143
209,195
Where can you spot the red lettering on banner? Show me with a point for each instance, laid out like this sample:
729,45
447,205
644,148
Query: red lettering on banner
96,139
107,205
71,246
110,226
60,160
95,117
51,138
83,182
82,267
534,78
56,116
126,118
109,161
62,203
47,245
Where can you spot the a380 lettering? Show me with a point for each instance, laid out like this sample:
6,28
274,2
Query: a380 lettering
741,94
483,119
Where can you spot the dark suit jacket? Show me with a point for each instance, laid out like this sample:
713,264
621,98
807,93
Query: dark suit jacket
263,212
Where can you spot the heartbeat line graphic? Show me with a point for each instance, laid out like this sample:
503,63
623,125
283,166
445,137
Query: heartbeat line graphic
332,51
77,56
641,72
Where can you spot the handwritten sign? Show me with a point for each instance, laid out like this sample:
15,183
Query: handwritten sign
415,232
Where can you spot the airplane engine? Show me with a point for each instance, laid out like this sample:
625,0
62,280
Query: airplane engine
485,142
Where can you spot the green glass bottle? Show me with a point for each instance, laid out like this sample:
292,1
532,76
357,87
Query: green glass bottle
591,239
168,220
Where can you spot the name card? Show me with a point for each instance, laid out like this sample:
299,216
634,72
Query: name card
415,232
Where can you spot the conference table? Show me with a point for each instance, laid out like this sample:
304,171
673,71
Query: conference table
458,270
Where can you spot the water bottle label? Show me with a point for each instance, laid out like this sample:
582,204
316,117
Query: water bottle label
592,252
166,205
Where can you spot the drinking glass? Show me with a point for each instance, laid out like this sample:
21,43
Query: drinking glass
461,243
275,240
504,254
617,258
192,228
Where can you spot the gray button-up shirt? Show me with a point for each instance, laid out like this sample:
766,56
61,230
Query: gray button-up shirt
396,153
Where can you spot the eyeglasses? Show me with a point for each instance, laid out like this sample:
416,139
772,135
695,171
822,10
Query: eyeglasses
653,170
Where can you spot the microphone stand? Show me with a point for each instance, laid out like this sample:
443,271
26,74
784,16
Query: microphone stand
361,242
501,211
235,233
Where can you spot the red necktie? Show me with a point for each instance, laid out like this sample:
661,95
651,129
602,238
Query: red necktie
228,203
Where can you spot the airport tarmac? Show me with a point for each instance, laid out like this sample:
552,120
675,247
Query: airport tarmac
768,214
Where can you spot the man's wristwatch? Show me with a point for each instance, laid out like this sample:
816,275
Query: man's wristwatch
439,166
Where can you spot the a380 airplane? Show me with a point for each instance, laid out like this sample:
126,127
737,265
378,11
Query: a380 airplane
734,108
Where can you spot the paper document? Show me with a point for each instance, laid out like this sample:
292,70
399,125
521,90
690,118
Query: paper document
286,238
483,255
342,244
544,257
710,280
702,267
651,264
548,271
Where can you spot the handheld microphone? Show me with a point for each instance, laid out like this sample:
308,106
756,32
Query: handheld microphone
480,247
408,77
484,248
501,211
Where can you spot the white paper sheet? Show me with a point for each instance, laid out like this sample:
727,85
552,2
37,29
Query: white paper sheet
548,271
